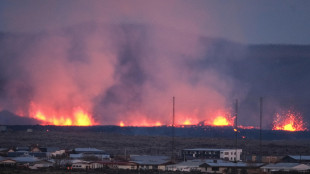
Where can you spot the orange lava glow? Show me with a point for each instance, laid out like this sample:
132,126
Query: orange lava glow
142,123
220,121
289,121
77,117
187,122
247,127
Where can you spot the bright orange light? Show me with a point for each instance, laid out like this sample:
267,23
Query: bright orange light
247,127
121,124
235,130
49,116
82,118
289,127
40,116
220,121
289,121
157,123
187,122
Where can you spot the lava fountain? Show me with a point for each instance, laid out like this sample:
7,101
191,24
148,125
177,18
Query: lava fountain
289,121
72,117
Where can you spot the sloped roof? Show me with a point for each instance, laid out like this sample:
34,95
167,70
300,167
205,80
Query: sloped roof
286,166
25,159
300,157
149,160
232,164
88,150
209,149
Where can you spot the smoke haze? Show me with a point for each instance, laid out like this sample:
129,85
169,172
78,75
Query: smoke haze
123,61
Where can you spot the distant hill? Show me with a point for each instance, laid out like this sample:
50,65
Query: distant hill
8,118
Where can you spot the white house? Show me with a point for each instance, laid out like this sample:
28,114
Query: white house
186,166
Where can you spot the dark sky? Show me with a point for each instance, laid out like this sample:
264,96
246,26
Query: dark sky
245,21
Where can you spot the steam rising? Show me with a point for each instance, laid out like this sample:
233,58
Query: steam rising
119,61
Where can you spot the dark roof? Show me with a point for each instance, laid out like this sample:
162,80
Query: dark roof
300,157
232,164
25,159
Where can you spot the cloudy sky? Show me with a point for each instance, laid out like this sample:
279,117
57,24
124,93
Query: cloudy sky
254,21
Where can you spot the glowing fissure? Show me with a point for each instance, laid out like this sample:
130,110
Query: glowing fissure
289,121
78,117
142,123
220,121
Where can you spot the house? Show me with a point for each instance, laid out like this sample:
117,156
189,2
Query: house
264,158
296,159
287,167
147,162
206,153
81,165
5,162
89,152
41,164
186,166
115,165
56,153
220,166
25,159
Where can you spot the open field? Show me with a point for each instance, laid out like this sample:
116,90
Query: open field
117,144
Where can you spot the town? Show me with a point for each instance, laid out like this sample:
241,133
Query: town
36,157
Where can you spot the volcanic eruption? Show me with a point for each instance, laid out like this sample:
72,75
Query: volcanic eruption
289,121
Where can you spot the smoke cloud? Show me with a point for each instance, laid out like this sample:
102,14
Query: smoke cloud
119,61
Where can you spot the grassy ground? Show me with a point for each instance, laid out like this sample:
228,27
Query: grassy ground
151,145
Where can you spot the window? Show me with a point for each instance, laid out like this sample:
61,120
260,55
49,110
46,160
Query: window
215,169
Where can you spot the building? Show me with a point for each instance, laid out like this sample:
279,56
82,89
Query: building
286,167
89,152
115,165
186,166
264,158
220,166
146,162
81,165
296,159
41,164
206,153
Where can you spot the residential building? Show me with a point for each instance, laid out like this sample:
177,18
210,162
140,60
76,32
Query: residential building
146,162
286,167
220,166
296,159
206,153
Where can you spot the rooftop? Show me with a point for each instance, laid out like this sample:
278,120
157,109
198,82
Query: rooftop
208,149
151,160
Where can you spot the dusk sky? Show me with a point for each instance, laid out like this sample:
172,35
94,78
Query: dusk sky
245,21
120,62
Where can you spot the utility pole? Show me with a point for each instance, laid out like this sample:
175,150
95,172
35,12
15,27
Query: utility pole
173,118
260,127
236,129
